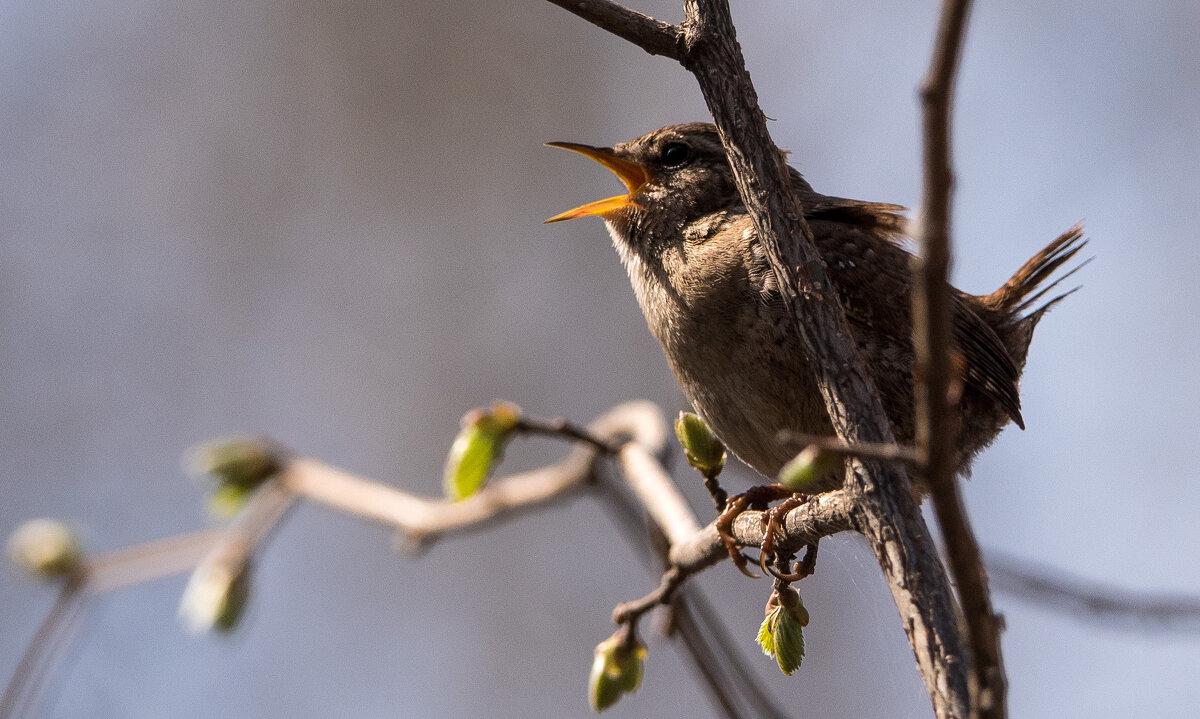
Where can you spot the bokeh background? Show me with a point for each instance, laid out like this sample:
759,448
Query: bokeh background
323,221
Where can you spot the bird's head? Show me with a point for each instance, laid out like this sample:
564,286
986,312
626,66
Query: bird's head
673,175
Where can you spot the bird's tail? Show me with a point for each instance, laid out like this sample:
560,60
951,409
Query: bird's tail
1024,289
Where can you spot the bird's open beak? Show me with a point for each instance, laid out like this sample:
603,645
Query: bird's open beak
631,173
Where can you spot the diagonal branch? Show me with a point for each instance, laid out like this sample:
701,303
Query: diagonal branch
887,514
654,36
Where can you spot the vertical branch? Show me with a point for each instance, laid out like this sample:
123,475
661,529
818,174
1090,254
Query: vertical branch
932,332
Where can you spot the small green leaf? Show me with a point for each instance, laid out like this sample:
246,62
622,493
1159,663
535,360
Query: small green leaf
781,634
46,548
808,468
477,448
215,597
766,634
700,445
616,670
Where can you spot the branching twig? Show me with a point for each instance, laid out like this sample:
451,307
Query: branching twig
691,548
733,688
631,612
422,519
237,544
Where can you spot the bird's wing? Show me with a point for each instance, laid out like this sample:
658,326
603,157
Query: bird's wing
987,366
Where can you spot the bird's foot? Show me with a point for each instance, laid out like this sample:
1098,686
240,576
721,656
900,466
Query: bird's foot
757,498
772,521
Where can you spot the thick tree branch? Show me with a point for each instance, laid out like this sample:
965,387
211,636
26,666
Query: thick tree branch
932,342
886,512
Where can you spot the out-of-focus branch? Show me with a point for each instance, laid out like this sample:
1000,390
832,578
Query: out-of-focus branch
658,494
150,560
931,343
51,635
692,547
132,565
1053,589
424,518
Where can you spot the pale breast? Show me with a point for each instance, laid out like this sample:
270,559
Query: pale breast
728,340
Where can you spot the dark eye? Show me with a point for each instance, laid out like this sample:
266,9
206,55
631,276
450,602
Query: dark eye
675,154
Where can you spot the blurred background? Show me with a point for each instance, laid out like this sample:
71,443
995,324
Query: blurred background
323,221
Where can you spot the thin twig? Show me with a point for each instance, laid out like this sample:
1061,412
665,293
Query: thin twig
22,686
562,428
136,564
631,612
653,36
150,560
1085,599
862,450
932,342
262,513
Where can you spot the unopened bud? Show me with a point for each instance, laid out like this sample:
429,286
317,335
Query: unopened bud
616,670
46,548
237,466
215,597
700,445
477,448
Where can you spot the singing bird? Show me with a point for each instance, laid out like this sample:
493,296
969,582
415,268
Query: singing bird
713,302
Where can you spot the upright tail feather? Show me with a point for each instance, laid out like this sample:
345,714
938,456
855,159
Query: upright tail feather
1024,289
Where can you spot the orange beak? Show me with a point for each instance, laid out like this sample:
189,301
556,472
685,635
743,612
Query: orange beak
631,173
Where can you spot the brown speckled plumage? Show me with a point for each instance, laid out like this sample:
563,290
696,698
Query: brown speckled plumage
712,302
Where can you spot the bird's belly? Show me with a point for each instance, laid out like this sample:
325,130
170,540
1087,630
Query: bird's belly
750,389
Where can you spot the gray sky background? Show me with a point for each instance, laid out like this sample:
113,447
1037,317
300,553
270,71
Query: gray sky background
323,221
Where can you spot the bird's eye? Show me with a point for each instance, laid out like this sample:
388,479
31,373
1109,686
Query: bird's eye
675,154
